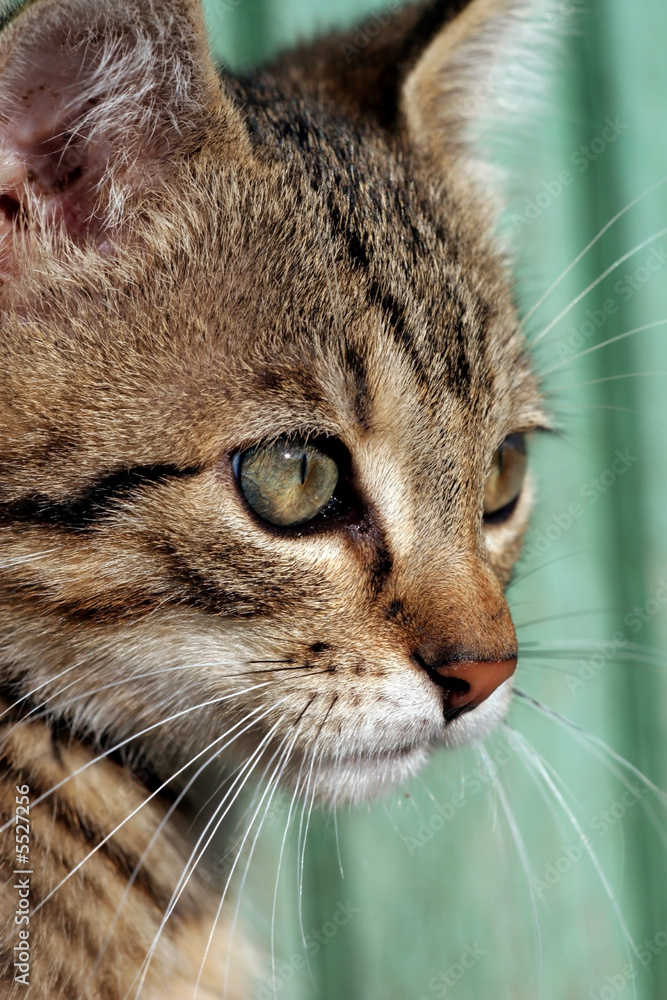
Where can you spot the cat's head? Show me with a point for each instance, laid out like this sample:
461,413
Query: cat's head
263,393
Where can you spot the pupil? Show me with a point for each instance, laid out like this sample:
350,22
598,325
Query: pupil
304,468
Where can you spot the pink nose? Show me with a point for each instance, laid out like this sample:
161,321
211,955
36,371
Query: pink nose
467,683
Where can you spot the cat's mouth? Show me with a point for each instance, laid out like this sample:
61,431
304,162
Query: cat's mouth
372,770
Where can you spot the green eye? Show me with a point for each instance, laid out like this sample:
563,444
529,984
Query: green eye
287,482
508,472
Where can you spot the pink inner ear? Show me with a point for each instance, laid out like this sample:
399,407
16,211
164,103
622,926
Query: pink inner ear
49,170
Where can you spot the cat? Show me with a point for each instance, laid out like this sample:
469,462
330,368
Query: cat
263,426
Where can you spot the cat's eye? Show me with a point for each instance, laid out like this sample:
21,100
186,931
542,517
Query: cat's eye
287,482
506,477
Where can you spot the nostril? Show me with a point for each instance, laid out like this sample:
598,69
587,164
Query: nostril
466,683
448,682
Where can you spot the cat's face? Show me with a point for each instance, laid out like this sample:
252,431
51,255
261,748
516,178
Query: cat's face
261,414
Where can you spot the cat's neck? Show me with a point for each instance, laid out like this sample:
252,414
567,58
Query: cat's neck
91,826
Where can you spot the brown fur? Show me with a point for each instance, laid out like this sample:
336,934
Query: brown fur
219,264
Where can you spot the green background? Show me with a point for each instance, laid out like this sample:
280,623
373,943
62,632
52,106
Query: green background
503,873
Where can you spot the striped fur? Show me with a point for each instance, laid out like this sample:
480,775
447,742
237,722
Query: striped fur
191,265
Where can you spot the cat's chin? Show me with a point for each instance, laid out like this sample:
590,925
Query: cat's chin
369,775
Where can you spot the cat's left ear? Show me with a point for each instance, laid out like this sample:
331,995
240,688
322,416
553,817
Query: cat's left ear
485,67
98,98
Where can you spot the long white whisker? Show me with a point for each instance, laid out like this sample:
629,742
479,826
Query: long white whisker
598,280
172,808
585,843
282,766
37,713
283,842
565,615
586,739
236,909
527,753
139,807
335,814
301,853
605,343
523,857
135,736
589,246
600,381
270,788
302,859
190,866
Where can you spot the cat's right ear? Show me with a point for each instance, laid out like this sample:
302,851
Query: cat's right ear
98,99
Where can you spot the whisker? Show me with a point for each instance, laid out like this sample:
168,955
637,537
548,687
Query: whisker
585,843
589,246
585,645
588,738
527,750
523,856
280,860
294,796
135,736
49,680
273,783
567,614
170,811
605,343
519,578
190,866
335,814
602,406
526,754
594,284
36,712
134,812
621,657
599,381
301,849
283,842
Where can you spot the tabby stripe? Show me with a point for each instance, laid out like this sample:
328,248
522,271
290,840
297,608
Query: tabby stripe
81,512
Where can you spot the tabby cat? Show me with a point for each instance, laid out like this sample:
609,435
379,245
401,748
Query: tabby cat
263,425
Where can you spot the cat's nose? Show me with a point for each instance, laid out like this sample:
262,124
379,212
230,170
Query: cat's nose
465,683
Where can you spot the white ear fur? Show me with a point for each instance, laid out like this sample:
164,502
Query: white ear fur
486,69
92,91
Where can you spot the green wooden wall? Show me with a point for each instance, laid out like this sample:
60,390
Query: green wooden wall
503,873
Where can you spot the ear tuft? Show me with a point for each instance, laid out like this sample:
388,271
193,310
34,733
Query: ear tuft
95,95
